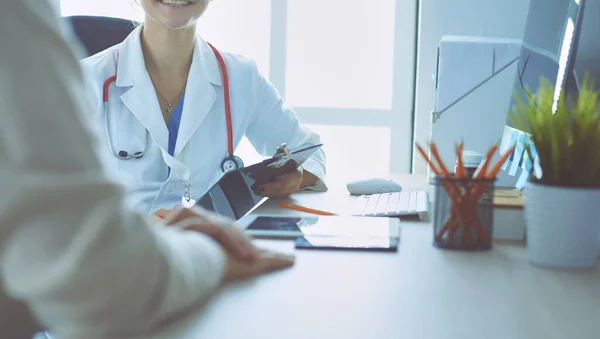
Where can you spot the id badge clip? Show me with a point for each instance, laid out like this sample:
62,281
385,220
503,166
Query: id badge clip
186,199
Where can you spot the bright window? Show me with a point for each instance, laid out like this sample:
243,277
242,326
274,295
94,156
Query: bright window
340,53
355,150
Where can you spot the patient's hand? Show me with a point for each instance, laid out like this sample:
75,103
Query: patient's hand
223,230
162,213
267,261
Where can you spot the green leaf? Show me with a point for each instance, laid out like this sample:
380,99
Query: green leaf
566,137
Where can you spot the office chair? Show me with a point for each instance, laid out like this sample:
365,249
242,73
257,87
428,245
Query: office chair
98,33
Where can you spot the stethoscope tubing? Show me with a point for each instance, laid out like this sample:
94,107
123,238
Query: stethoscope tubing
225,78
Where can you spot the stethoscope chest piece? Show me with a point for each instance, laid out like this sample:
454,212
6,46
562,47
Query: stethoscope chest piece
126,156
231,163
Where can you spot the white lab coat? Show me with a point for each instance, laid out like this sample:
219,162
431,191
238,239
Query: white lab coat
86,266
257,112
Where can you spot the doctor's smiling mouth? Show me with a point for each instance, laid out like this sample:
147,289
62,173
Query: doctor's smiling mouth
177,3
174,14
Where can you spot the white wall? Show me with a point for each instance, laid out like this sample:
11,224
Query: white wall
488,18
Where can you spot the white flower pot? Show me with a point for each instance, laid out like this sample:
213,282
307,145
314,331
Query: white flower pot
563,225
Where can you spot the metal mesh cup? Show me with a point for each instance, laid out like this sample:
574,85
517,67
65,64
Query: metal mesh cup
463,213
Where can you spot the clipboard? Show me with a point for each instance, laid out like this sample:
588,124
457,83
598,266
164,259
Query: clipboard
234,194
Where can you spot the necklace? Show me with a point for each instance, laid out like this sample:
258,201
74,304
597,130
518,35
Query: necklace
169,109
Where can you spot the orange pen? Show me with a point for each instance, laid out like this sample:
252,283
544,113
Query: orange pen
304,209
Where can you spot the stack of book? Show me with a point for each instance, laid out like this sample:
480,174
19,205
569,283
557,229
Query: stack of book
509,220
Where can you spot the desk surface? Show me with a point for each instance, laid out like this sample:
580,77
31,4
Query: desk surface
419,292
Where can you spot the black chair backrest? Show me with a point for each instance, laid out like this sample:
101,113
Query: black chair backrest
99,33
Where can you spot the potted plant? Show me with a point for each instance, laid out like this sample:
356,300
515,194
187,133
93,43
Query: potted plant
562,195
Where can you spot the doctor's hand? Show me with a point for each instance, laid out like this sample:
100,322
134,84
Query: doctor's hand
235,242
288,183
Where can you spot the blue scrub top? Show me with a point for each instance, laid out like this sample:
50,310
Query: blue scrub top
173,126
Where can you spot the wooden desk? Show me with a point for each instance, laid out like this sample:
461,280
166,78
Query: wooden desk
419,292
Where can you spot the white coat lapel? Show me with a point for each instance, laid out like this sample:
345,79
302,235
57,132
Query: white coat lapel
140,99
200,94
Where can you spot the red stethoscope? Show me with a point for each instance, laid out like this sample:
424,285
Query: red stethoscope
231,161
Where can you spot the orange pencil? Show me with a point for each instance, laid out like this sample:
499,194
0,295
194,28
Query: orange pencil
453,190
491,174
304,209
481,171
486,163
494,170
461,172
437,172
434,169
437,157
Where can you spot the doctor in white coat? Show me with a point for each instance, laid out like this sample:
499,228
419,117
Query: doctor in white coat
168,104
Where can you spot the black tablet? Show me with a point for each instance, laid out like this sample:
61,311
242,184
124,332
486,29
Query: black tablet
234,194
376,244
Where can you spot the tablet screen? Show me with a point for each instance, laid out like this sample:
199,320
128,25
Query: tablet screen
275,224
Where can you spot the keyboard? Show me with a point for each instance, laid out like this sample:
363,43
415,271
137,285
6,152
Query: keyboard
393,204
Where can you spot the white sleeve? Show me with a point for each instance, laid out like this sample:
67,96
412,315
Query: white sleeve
274,123
84,264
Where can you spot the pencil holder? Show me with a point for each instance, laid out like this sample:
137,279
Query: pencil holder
463,213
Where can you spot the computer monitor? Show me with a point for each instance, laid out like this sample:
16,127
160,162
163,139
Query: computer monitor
560,43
